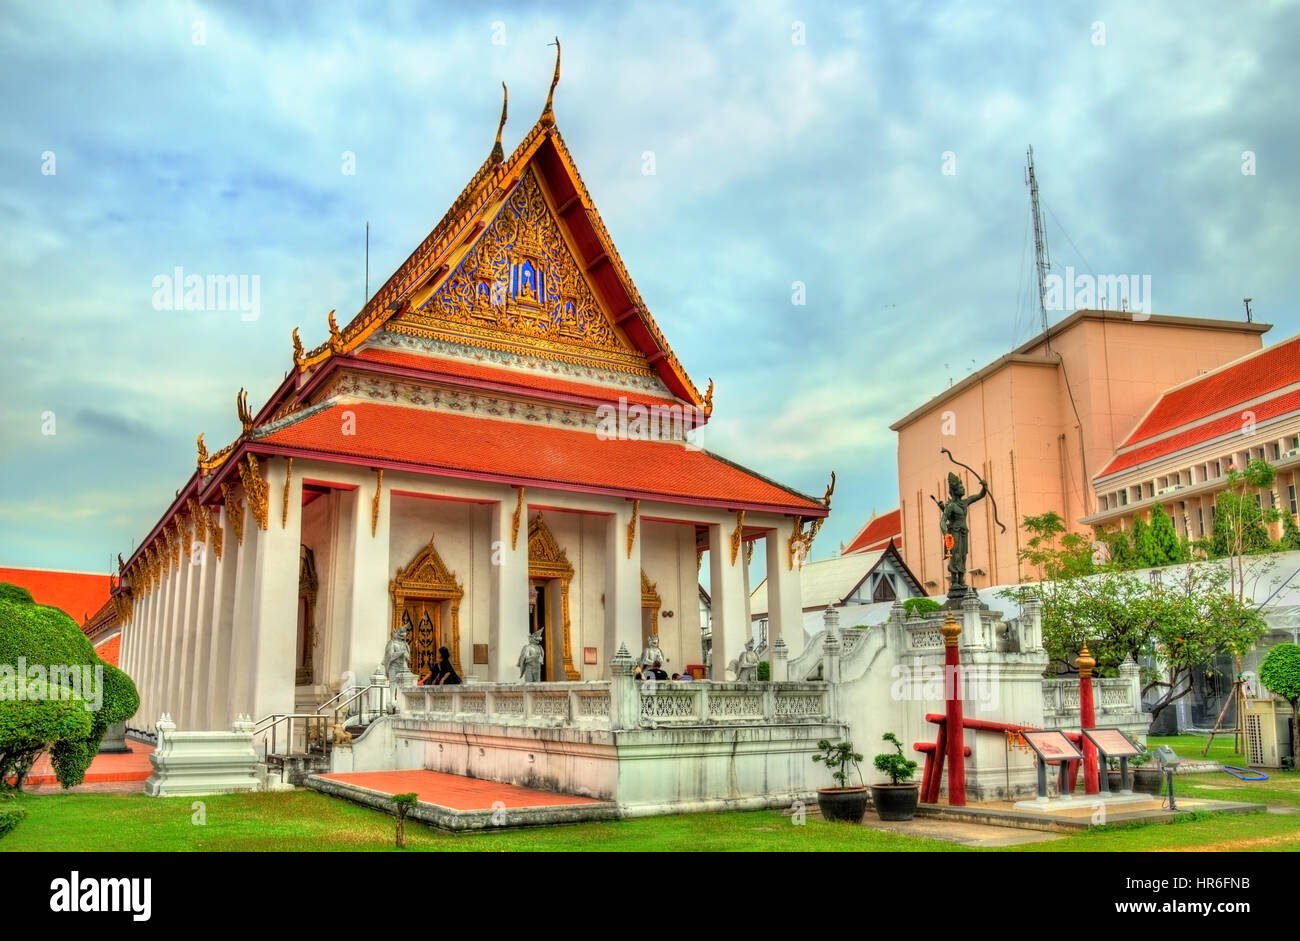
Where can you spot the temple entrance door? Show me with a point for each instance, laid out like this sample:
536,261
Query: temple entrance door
539,620
422,618
304,672
650,604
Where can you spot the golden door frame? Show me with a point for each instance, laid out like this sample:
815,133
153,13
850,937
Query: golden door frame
650,599
546,560
427,577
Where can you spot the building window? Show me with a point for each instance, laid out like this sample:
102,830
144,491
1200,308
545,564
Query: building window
1218,468
1291,496
1277,450
1200,521
1151,489
1123,498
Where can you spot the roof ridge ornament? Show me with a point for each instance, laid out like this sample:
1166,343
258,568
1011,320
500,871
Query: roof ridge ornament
548,113
241,406
499,154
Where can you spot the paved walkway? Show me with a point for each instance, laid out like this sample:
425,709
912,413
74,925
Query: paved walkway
130,769
456,792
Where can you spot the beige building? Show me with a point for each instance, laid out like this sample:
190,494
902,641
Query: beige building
1040,423
1179,453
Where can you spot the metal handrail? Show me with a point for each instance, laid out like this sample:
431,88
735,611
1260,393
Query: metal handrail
353,693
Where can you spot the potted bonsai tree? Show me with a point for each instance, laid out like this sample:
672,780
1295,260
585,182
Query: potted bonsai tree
841,802
896,800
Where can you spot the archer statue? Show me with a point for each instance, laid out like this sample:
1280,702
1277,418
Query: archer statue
954,526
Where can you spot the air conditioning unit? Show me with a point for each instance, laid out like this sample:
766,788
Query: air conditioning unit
1165,491
1287,455
1268,732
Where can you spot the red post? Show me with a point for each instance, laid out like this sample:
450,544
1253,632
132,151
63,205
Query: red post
956,743
1087,720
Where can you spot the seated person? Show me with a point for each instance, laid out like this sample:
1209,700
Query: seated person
443,673
659,672
677,676
686,678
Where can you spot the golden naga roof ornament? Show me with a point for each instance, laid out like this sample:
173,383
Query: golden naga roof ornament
336,338
498,153
548,113
708,400
830,489
203,451
241,406
297,348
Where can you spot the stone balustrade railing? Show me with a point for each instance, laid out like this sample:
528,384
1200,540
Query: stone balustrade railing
595,704
1111,695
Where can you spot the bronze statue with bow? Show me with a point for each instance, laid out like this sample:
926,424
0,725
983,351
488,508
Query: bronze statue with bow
955,528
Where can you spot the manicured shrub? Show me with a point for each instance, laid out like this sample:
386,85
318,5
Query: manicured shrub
10,815
47,716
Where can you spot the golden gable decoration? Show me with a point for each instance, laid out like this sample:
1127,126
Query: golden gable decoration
257,490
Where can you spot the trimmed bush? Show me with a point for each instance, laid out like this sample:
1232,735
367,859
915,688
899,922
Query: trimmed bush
48,716
10,816
921,606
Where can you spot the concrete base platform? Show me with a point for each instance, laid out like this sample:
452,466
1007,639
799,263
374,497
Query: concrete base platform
454,802
1082,813
1067,805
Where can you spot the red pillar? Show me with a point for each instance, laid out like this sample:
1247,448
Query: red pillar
1087,720
956,743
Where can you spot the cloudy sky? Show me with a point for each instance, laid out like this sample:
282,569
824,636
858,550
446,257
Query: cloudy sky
791,143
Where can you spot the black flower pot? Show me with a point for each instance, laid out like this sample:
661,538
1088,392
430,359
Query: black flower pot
1147,780
843,803
895,801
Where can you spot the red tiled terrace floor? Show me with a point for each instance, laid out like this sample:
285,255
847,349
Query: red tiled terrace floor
103,769
454,791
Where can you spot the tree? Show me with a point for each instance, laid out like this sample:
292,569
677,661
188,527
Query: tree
1240,521
1290,532
1143,549
1168,628
1162,538
1120,544
1053,551
402,804
1280,673
53,713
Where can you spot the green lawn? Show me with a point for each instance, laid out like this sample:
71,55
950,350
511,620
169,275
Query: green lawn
306,820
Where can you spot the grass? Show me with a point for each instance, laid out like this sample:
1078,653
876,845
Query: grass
306,820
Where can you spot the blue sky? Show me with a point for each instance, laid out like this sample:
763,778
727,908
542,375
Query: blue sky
775,162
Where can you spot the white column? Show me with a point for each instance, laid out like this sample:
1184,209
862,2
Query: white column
140,659
181,678
239,658
368,614
217,714
622,585
275,603
162,646
784,598
727,593
508,611
196,673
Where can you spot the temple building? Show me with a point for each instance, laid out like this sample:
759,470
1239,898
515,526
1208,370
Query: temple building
500,444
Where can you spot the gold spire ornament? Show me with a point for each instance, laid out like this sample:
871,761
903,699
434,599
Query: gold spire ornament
548,113
203,451
245,416
336,338
708,400
499,154
297,348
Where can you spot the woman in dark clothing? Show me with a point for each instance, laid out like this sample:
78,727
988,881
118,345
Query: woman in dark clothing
442,674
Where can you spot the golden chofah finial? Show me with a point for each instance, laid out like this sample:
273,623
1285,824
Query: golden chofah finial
297,348
498,154
245,416
336,337
708,399
203,451
548,113
830,489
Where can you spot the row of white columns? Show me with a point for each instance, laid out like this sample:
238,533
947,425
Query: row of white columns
218,637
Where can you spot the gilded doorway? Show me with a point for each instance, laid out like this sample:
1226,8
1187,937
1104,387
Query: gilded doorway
548,563
426,601
650,604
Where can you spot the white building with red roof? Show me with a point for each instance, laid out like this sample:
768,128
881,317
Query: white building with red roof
1180,451
500,443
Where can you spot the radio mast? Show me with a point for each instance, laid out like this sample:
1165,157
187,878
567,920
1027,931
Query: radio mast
1041,260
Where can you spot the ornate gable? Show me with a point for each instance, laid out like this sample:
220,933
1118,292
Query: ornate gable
520,287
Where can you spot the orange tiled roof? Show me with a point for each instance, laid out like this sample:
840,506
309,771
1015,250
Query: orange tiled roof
460,445
536,379
110,650
878,531
1249,377
1198,434
78,594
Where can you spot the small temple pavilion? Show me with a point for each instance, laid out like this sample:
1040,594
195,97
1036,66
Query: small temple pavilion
500,443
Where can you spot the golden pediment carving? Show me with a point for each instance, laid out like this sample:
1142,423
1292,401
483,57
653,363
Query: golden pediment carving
521,279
